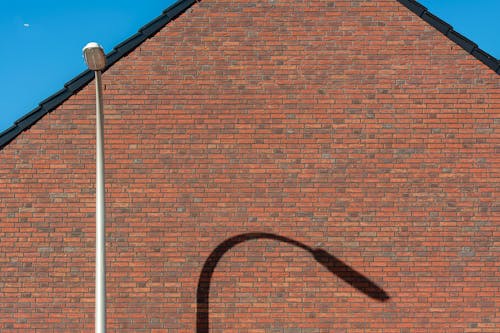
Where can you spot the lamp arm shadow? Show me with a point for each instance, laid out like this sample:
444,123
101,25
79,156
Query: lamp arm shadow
333,264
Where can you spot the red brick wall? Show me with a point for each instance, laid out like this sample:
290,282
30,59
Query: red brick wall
349,126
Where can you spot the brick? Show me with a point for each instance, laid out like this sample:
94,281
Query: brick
346,126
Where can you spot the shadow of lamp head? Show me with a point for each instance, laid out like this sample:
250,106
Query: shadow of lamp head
349,275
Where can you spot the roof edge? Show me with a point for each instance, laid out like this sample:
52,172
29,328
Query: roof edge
82,79
447,30
171,13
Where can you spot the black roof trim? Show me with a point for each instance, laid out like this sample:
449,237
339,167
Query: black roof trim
10,134
178,8
486,58
32,117
436,22
79,81
462,41
82,79
172,13
448,31
414,6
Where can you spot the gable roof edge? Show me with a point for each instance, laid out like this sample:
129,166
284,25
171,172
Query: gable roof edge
454,36
82,79
172,12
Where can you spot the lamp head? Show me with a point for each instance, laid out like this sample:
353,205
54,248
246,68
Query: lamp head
93,54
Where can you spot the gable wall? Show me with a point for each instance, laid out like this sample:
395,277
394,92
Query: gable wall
349,126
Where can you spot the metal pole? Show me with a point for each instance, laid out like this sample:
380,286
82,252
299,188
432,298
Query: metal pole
100,262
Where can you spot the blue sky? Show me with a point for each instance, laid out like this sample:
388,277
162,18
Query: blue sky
42,40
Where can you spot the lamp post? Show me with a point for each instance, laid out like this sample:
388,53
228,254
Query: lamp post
96,61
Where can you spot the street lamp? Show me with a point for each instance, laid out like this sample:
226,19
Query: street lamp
96,61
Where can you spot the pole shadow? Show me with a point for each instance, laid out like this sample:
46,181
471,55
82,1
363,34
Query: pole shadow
333,264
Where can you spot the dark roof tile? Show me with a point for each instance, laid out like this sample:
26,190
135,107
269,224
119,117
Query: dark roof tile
56,99
414,6
79,81
486,58
132,42
178,8
155,25
9,134
28,120
436,22
462,41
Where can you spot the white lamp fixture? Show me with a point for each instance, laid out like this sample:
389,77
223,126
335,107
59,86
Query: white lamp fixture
93,54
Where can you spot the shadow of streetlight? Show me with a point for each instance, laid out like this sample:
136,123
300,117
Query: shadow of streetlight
333,264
